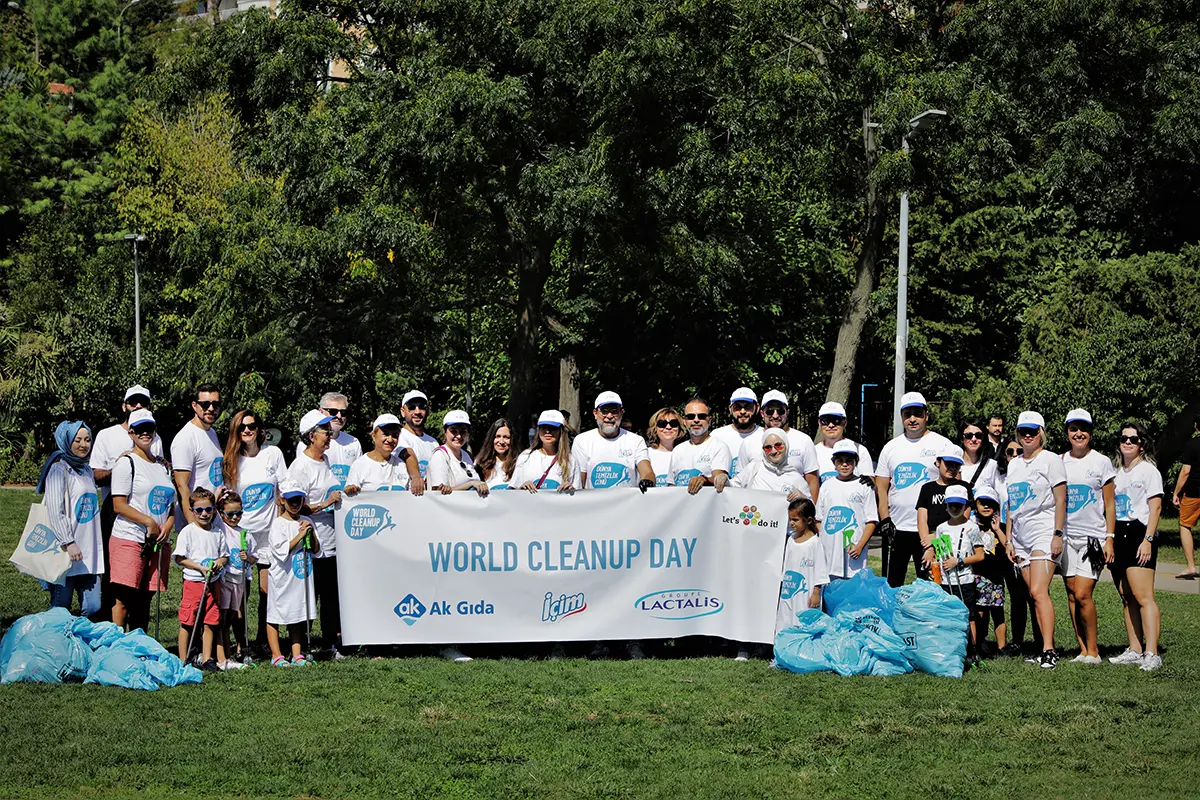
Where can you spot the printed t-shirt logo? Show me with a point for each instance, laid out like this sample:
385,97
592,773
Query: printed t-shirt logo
86,508
827,475
1018,494
257,495
214,471
910,473
661,479
841,519
608,474
1124,507
364,521
235,557
410,609
40,539
1079,497
300,565
342,471
423,465
684,475
793,584
161,498
733,470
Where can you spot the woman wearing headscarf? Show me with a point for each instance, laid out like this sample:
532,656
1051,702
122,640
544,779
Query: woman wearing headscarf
773,472
72,505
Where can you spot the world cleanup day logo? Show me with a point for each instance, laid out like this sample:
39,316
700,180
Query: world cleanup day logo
365,521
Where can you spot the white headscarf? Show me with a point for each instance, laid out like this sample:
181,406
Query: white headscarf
784,467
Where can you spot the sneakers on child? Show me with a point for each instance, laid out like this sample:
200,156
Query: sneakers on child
280,661
231,664
1090,660
210,666
336,654
1128,657
455,655
1049,660
1151,662
742,654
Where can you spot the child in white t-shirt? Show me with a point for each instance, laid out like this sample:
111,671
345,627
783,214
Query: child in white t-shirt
200,550
291,599
805,565
241,545
848,512
958,544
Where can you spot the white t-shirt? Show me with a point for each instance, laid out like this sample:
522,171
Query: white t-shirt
689,460
318,481
202,546
290,576
378,476
733,439
147,487
844,508
660,462
343,451
910,464
1031,494
422,447
607,463
1135,487
757,476
198,451
446,470
498,480
73,507
825,461
805,567
108,446
802,453
957,541
257,480
234,572
1086,478
988,478
530,466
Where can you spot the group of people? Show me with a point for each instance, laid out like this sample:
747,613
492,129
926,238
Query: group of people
979,518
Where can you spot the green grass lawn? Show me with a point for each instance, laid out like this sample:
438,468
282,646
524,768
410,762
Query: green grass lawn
674,728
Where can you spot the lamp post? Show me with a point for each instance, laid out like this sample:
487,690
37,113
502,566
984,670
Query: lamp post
37,40
917,123
137,301
128,5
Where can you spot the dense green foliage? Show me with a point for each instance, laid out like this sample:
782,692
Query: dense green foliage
677,194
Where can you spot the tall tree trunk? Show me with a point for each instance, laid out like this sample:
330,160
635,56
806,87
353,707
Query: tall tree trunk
568,390
854,317
532,272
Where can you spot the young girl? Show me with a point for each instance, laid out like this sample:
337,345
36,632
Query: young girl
805,565
291,600
200,549
989,573
241,546
958,544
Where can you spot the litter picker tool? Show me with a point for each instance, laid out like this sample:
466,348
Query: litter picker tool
199,613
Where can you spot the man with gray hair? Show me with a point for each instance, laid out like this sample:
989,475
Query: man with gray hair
344,449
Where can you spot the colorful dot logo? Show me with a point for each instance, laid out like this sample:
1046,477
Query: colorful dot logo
749,515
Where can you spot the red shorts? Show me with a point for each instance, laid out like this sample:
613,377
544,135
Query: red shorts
191,601
128,567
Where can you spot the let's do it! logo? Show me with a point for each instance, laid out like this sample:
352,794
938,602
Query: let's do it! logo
750,516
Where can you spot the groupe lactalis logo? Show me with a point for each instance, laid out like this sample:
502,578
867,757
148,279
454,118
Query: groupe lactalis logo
411,609
678,604
564,605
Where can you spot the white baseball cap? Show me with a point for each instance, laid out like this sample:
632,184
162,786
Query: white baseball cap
846,447
552,417
384,420
910,399
743,393
137,389
608,399
140,416
415,394
956,494
985,492
456,417
312,419
1079,415
775,396
832,409
1030,419
951,452
289,488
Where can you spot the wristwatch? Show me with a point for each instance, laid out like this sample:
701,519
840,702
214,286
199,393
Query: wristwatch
1149,538
1058,534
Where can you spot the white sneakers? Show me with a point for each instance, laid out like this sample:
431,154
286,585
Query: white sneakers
1151,662
1128,657
455,655
1148,662
742,655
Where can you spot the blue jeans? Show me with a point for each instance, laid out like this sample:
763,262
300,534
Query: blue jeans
88,587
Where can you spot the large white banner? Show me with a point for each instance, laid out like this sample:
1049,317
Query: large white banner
591,565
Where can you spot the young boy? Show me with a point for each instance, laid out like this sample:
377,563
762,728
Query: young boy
241,546
989,573
848,513
291,600
805,565
200,549
958,544
931,502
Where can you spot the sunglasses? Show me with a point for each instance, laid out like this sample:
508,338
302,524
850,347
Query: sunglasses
908,413
232,514
208,405
248,426
668,423
413,405
1012,453
549,429
843,459
144,430
1027,433
1076,427
968,436
609,409
831,422
335,412
202,509
695,416
1130,439
138,400
773,448
774,411
742,405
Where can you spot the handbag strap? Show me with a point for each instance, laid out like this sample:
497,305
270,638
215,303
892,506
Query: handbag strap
542,479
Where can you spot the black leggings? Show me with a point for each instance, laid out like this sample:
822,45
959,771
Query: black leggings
906,546
325,586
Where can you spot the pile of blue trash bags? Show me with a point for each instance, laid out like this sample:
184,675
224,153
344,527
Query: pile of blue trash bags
874,629
56,647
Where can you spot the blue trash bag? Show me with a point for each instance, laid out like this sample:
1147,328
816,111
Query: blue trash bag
137,661
40,648
934,626
864,590
885,649
803,647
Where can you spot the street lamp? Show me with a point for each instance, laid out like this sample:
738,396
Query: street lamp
128,5
37,40
137,301
917,123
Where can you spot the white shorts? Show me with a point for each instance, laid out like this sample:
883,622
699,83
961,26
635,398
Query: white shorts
1074,563
1025,543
